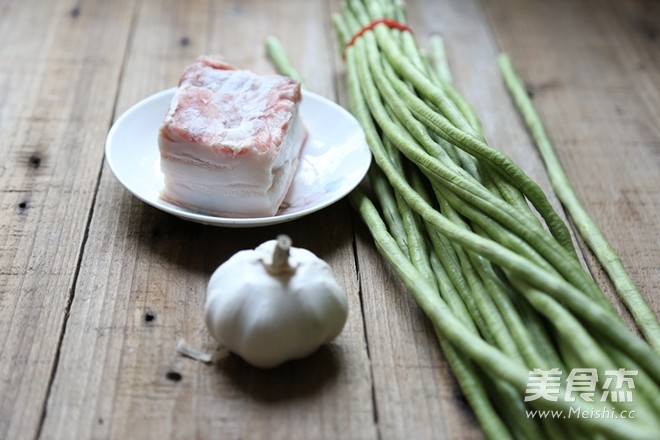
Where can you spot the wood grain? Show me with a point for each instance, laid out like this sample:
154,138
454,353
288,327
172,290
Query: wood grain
595,79
143,277
96,287
55,109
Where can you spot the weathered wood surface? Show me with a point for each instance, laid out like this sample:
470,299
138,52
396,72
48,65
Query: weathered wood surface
96,288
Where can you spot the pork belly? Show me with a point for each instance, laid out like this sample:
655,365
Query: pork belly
231,141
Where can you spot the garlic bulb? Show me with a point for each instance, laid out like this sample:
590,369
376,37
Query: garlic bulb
274,303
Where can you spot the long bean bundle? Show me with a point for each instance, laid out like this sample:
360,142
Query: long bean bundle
480,248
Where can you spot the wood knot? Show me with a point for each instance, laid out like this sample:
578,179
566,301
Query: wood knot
149,317
174,376
34,161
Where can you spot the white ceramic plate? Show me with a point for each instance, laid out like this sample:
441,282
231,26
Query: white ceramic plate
334,160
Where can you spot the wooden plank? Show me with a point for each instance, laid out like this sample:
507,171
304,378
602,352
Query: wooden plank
594,73
58,80
143,276
415,392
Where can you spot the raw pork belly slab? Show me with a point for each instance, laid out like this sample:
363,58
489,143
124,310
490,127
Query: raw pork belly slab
231,141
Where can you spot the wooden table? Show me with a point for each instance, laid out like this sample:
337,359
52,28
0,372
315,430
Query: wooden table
96,287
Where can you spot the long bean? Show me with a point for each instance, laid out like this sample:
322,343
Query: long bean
519,267
494,361
458,129
585,307
597,316
279,58
542,354
504,295
470,193
589,230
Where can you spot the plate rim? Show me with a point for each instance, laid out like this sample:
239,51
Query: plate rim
237,222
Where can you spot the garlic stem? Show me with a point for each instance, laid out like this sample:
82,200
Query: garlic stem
280,261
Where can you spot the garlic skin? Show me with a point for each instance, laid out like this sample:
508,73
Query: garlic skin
269,312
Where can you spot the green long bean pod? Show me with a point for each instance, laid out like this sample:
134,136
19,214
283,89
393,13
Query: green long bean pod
446,253
388,205
464,130
454,258
439,125
449,293
487,416
441,75
439,60
417,247
500,299
645,387
507,309
280,60
459,129
437,310
435,292
472,290
420,134
492,360
595,317
589,230
497,232
587,350
598,316
458,183
495,322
